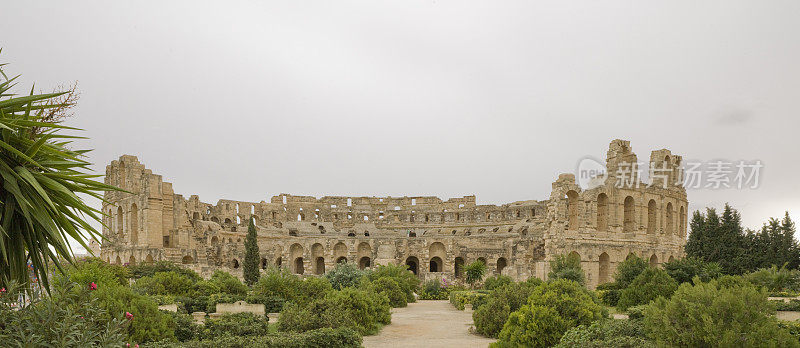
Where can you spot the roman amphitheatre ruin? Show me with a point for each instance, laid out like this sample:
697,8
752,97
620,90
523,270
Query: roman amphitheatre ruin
602,225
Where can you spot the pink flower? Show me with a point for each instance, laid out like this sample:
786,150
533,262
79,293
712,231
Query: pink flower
3,290
136,346
128,316
127,344
92,286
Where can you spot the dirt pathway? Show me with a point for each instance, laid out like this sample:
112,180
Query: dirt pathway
428,324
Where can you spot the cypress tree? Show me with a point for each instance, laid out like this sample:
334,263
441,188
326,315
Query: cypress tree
251,273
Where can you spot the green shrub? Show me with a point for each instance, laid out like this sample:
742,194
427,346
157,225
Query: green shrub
150,269
499,304
496,281
636,312
628,270
238,324
475,272
460,298
98,271
165,283
227,283
792,327
407,281
710,315
185,326
775,279
609,293
363,311
278,286
71,317
648,286
389,288
684,270
147,324
320,338
566,267
552,309
433,290
345,274
608,333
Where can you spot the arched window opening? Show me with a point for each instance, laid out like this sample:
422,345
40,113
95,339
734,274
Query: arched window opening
413,265
235,263
602,212
682,227
572,210
298,265
435,264
651,217
187,260
134,224
629,219
501,264
341,259
653,260
264,263
364,262
132,261
319,266
412,234
670,220
119,222
605,268
459,267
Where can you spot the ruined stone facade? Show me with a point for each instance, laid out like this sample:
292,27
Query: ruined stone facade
602,225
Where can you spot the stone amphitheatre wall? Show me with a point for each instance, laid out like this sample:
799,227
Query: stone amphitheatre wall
436,238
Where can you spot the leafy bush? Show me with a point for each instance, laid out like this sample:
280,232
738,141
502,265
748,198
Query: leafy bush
407,281
278,286
185,326
345,274
609,293
433,289
636,312
792,327
475,272
320,338
460,298
363,311
389,288
69,318
165,283
227,283
684,270
98,271
499,304
552,309
607,333
496,281
775,279
707,314
150,269
628,270
238,324
147,322
648,286
566,267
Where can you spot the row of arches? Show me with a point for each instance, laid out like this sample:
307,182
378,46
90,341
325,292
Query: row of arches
605,272
629,215
117,222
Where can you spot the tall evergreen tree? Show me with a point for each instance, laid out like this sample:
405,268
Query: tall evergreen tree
251,272
718,239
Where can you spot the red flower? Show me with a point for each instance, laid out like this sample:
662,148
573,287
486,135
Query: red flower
3,290
92,286
128,316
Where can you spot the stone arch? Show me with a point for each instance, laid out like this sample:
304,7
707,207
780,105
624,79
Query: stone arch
682,228
413,264
364,249
459,267
301,217
341,259
214,240
364,262
196,216
187,260
319,265
134,221
604,271
651,216
148,259
435,264
264,263
602,212
119,222
670,221
279,261
235,264
654,260
671,258
119,261
437,249
132,260
317,250
340,251
629,215
298,265
483,260
501,264
572,210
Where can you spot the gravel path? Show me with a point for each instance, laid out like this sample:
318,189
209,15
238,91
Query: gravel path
428,324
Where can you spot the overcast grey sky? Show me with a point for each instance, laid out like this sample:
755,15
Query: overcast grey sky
245,100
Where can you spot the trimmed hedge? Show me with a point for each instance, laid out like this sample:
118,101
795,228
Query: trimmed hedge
475,297
320,338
